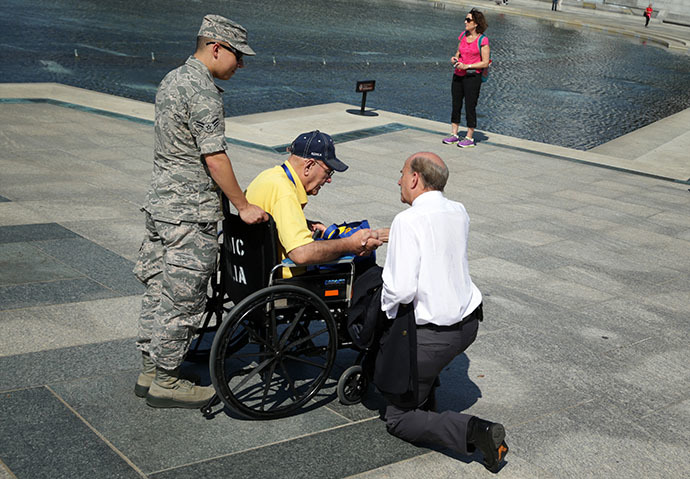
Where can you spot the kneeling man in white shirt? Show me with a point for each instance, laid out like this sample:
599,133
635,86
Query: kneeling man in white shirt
427,266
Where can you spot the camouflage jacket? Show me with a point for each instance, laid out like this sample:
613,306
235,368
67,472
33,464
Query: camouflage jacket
189,123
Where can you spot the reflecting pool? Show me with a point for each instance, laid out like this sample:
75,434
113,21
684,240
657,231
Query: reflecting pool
570,87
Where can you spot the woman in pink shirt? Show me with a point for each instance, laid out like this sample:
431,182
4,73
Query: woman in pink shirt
469,60
647,14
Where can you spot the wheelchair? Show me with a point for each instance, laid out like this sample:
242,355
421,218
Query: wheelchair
275,339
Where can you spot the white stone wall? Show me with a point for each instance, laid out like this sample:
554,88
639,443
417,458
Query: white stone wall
664,7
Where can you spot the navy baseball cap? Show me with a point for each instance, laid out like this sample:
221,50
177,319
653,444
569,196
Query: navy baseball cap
317,146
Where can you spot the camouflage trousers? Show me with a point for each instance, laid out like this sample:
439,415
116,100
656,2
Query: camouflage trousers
175,264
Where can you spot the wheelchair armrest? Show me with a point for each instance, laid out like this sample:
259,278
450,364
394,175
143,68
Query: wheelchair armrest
288,263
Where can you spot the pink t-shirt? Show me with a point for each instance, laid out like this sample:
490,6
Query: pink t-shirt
469,53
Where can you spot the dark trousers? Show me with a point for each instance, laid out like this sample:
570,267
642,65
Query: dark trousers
435,350
646,20
554,5
467,88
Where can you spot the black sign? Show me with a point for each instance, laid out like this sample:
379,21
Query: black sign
364,86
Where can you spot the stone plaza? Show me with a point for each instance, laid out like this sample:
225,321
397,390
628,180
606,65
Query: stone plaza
583,258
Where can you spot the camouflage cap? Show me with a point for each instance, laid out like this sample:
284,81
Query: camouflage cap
220,28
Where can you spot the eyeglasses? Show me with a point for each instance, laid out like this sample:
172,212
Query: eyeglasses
468,20
238,54
329,172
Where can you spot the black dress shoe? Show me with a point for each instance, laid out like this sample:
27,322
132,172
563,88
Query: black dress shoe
489,438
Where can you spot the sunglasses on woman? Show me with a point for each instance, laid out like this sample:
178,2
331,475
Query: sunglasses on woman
468,20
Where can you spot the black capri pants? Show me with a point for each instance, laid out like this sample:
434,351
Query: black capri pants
466,87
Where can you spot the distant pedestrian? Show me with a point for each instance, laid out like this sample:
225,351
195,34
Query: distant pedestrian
647,14
469,60
554,5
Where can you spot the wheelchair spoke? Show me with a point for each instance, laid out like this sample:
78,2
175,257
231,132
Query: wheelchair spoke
289,380
254,334
304,339
267,385
254,372
305,361
286,334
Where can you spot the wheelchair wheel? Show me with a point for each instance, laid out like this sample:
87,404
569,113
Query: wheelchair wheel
352,385
273,352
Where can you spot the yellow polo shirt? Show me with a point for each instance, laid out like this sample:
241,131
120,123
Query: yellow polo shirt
273,191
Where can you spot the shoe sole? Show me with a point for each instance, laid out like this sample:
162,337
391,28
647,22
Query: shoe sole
465,146
168,403
449,142
141,391
498,435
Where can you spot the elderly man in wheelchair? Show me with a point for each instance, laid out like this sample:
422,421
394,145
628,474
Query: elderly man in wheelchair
290,292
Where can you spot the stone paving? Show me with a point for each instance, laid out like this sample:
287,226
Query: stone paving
584,264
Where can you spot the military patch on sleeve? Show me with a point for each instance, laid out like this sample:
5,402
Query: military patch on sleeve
208,126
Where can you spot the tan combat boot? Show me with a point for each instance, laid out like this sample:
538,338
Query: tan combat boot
148,372
168,389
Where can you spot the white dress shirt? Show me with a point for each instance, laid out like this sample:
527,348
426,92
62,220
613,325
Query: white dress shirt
426,263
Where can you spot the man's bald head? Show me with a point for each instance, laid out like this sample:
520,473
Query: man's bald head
431,168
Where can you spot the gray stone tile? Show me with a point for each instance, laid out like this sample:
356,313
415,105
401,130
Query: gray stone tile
13,214
608,214
535,258
55,292
642,377
319,455
442,466
531,237
51,188
66,364
667,423
672,302
121,236
597,278
629,265
22,263
596,439
151,438
81,208
564,293
500,271
507,307
372,406
41,328
34,232
41,438
99,264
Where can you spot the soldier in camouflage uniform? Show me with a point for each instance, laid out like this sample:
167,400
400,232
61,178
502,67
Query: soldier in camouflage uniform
179,251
